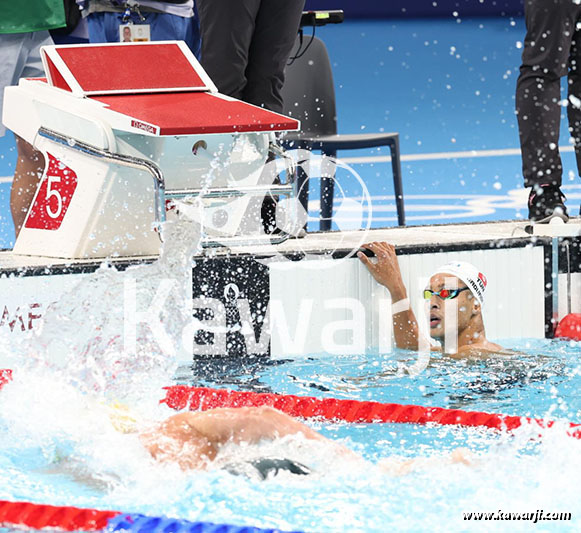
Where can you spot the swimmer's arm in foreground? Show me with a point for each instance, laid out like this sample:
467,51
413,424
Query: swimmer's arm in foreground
193,439
387,273
398,466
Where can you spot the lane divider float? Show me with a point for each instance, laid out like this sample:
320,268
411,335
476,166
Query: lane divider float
201,398
37,516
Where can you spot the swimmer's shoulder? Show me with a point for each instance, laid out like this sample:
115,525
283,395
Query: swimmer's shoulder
483,351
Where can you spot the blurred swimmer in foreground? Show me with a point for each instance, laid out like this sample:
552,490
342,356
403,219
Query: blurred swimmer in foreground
194,439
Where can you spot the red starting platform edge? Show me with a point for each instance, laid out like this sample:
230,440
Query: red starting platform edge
157,87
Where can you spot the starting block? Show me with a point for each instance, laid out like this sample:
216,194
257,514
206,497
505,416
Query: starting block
124,129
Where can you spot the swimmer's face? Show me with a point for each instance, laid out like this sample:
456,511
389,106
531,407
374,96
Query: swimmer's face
465,304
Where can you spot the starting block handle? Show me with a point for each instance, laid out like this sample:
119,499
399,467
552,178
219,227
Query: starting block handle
120,159
161,194
288,189
225,192
236,242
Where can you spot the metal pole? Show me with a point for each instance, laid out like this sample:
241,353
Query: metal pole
120,159
555,280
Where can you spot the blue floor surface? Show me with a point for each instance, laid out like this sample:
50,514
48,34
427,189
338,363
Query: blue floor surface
447,86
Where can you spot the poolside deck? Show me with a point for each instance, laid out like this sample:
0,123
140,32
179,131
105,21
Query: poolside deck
428,238
319,298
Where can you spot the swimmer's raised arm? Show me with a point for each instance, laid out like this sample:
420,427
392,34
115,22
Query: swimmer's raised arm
192,439
386,272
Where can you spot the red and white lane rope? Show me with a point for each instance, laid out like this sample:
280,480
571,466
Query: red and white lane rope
200,398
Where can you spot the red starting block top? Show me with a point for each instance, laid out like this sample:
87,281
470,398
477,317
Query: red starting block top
195,113
116,68
157,87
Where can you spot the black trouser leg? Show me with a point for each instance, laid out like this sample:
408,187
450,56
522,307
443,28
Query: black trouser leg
550,28
245,47
246,44
227,27
275,32
574,93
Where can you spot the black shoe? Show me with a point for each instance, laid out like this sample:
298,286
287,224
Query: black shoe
547,202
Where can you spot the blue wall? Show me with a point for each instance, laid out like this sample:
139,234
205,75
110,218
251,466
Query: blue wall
420,8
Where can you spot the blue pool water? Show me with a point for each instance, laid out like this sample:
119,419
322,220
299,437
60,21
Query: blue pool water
541,374
58,444
43,420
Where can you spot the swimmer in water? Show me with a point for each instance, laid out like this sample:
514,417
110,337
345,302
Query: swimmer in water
457,282
194,439
201,440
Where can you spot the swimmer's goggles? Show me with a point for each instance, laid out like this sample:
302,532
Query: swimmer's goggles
444,294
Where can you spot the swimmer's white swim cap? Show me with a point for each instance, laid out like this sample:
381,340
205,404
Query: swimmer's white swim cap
469,274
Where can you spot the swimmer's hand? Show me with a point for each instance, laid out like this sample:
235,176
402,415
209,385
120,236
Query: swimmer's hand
397,466
386,269
462,456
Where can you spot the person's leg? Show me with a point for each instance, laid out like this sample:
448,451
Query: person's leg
550,27
574,92
227,27
12,61
196,34
275,32
25,52
277,25
29,169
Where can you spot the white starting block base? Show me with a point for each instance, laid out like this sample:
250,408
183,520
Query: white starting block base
127,129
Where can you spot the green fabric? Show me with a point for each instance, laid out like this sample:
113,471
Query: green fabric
23,16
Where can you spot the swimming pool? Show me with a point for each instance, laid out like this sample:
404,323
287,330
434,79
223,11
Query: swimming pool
58,445
43,419
542,376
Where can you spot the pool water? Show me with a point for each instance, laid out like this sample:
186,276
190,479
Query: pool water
541,379
58,445
42,420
